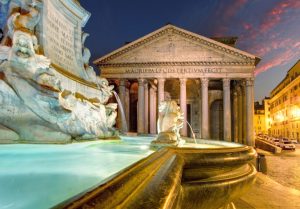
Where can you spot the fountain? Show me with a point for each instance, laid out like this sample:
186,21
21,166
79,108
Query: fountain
49,94
41,101
193,134
170,121
123,117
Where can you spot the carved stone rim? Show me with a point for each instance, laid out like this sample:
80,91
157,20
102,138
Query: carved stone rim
178,161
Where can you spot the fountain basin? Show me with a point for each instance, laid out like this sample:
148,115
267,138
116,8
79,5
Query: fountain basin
124,174
44,175
183,177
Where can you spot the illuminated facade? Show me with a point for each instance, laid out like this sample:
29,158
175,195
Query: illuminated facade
266,103
285,106
259,120
210,79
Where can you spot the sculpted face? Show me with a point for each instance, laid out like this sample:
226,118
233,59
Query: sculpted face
23,45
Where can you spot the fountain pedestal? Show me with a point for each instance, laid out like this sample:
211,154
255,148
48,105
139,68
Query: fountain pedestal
170,121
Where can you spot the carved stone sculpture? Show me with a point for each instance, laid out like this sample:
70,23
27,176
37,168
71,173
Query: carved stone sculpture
170,121
34,106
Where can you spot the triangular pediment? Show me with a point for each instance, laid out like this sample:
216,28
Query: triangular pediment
171,44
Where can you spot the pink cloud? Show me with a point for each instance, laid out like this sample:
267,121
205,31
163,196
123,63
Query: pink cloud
274,16
263,48
247,26
297,44
279,59
271,19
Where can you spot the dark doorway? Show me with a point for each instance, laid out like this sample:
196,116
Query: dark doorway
133,107
216,120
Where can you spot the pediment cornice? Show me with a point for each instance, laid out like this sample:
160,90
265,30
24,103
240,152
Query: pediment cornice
147,64
170,29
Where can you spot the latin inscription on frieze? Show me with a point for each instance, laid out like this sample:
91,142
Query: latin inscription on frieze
59,36
173,70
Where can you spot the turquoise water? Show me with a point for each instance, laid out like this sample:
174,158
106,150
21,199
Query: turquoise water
42,176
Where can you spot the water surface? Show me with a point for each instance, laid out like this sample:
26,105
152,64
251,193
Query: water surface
42,176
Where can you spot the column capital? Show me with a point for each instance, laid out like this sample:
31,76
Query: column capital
141,81
204,82
250,82
161,80
146,82
226,82
182,81
242,83
122,82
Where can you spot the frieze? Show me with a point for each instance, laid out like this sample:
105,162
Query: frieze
173,70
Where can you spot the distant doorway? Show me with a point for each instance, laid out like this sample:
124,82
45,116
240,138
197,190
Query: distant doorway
133,107
216,120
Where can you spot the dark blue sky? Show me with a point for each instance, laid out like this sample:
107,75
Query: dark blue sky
266,28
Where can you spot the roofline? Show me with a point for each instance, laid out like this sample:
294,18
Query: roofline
131,44
284,78
293,66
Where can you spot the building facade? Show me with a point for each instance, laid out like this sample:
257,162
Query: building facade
259,120
266,103
210,79
285,106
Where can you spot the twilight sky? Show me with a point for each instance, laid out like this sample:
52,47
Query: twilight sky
269,29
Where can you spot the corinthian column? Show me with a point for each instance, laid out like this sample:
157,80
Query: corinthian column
161,90
122,95
183,105
205,121
235,116
243,85
249,111
227,109
141,107
240,114
146,111
153,108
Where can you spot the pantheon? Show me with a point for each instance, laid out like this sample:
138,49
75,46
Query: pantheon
211,80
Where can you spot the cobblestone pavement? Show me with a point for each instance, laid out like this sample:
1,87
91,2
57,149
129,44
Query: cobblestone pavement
285,168
279,188
268,194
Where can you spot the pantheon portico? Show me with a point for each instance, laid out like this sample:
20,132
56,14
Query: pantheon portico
211,80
